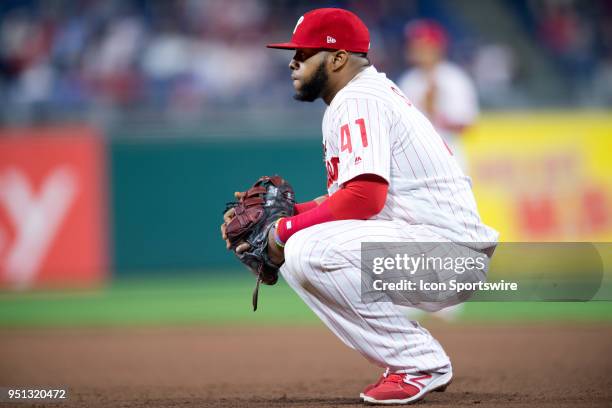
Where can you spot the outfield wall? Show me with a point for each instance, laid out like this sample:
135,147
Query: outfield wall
53,208
168,196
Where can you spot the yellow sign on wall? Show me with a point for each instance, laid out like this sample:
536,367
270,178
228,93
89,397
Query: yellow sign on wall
543,176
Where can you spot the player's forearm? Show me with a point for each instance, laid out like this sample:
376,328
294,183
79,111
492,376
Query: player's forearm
360,199
309,205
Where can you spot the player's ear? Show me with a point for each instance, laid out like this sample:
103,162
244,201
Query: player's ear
339,59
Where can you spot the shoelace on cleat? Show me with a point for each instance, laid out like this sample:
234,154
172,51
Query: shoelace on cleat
394,378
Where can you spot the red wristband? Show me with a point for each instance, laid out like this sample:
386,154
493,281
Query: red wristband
289,226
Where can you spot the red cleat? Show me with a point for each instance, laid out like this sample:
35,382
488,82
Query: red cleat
373,385
404,388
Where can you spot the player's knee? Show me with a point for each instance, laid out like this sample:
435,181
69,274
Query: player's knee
301,256
294,254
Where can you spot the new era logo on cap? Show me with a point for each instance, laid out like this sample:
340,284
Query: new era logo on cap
330,28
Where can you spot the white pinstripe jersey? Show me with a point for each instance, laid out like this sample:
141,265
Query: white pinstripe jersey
371,127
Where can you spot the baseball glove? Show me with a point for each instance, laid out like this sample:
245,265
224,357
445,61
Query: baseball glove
255,213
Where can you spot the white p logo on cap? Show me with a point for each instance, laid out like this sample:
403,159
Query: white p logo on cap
300,20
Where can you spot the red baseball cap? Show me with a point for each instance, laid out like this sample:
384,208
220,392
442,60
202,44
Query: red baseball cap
427,31
331,28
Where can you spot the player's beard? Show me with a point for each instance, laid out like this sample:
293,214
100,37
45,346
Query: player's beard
312,89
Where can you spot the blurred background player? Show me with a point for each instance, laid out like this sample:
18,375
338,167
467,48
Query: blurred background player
440,89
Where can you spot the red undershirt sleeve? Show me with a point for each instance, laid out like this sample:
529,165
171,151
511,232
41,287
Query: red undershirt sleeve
306,206
359,199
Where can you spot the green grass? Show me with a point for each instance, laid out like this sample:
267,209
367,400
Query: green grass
222,300
157,301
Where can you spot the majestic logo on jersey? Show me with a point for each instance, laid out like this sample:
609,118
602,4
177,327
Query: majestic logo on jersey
332,170
331,40
300,21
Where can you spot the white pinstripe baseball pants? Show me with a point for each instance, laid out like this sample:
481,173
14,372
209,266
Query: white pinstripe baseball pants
323,265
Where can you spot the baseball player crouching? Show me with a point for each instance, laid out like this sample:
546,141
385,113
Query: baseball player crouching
390,178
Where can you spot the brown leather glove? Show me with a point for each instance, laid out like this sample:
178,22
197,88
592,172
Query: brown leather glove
269,199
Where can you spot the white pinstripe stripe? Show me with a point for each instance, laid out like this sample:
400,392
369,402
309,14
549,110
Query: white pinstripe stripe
324,311
358,294
391,238
463,197
404,339
434,164
358,290
355,312
350,333
403,320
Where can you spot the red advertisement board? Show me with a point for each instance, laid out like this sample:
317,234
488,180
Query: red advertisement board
52,208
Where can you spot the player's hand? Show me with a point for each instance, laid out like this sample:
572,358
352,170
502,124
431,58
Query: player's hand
276,253
227,217
244,246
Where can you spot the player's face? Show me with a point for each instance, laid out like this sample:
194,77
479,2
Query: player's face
423,54
309,74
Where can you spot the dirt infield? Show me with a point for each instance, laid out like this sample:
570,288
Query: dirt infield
509,366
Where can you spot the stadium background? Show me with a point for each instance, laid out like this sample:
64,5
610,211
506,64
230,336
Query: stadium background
125,126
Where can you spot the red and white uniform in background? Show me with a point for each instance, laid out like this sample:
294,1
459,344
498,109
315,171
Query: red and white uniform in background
370,127
456,101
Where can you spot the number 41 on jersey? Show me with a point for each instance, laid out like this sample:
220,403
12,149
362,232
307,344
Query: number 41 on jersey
345,136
